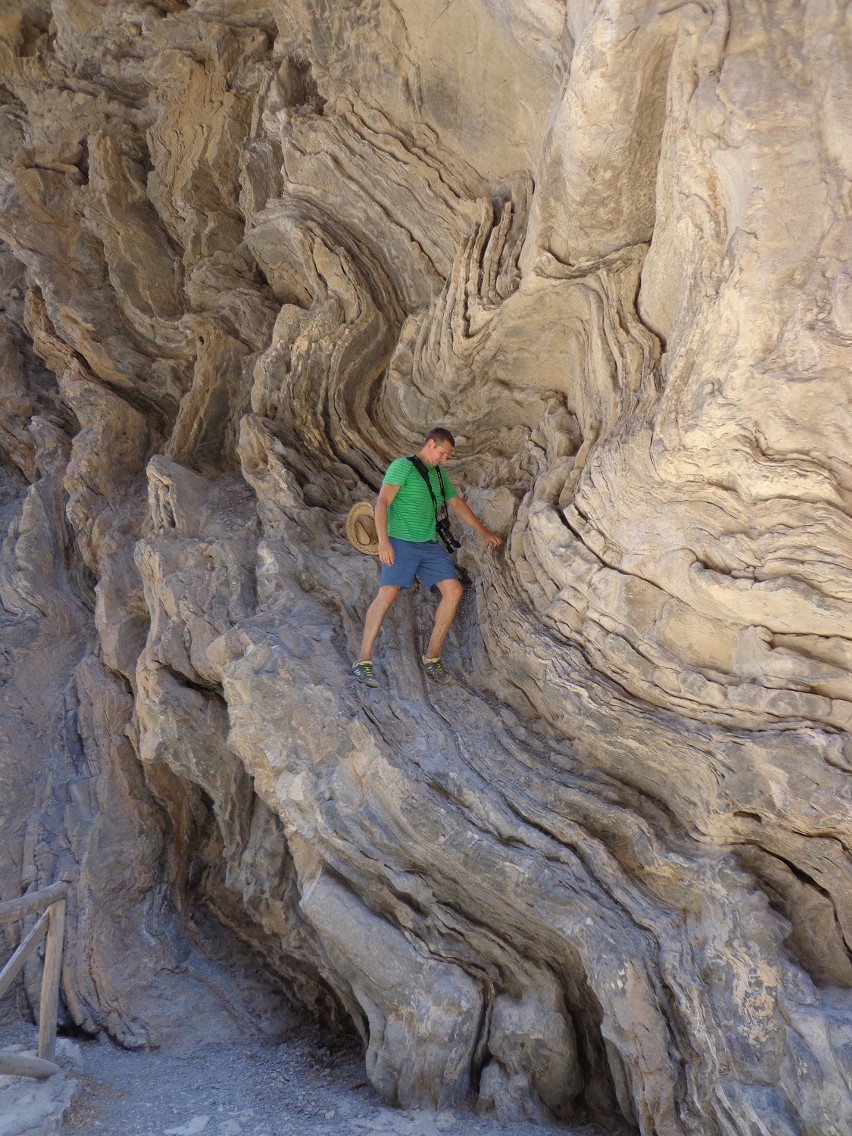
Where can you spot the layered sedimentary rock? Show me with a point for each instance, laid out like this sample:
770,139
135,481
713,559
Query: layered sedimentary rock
250,252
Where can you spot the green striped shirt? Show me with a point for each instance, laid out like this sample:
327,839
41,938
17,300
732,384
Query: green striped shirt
411,515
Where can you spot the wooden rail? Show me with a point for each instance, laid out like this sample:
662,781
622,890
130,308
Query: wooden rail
49,903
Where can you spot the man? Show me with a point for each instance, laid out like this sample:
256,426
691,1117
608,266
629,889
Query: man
409,547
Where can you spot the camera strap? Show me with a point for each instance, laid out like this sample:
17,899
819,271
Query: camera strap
442,512
424,473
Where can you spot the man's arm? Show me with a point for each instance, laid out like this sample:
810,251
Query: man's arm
464,513
380,512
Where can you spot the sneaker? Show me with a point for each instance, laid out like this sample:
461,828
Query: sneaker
434,668
363,671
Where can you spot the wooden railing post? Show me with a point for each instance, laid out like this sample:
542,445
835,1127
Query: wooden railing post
49,1000
51,901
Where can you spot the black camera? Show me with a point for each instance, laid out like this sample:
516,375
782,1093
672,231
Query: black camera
442,527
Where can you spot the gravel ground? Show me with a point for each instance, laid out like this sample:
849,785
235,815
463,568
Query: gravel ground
300,1085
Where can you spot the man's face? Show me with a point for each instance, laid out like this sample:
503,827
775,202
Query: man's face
437,452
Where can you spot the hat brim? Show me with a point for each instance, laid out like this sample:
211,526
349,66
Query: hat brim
361,528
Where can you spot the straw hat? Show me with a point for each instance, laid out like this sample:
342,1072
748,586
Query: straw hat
361,528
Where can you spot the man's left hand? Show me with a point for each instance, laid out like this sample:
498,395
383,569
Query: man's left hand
491,540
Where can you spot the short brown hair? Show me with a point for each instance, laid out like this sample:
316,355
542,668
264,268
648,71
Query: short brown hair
439,434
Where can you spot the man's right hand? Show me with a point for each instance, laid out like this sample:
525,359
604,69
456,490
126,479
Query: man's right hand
386,551
383,503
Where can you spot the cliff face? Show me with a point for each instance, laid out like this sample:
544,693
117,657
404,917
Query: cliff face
251,251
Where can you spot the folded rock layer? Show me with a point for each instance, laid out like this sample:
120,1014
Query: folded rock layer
250,252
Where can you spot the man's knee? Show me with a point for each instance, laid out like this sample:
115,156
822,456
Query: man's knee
451,590
387,594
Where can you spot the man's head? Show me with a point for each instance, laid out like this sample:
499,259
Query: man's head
437,446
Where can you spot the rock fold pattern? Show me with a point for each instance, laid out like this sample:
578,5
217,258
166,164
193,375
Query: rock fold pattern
249,252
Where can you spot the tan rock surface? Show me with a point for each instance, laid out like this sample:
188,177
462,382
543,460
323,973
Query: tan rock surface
250,252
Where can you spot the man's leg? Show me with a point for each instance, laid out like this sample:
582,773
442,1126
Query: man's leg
451,594
376,612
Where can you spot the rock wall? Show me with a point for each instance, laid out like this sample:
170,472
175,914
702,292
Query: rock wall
251,251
